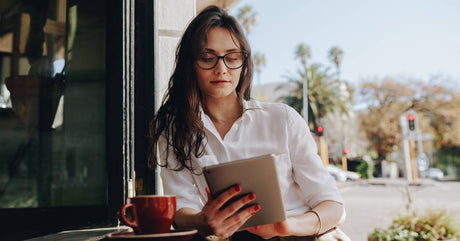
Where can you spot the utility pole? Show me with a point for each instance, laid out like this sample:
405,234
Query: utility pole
305,99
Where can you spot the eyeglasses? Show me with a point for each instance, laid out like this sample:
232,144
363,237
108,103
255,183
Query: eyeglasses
233,60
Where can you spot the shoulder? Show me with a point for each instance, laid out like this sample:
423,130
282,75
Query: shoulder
269,107
279,110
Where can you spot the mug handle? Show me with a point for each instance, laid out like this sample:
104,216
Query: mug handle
132,223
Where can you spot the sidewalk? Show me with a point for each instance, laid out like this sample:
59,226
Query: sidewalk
398,181
386,182
376,202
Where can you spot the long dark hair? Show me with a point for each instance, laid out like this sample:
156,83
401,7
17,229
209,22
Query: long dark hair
178,120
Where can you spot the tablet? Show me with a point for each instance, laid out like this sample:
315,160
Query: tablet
257,175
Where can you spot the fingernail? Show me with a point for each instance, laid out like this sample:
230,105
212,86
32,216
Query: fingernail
237,188
257,208
252,214
251,196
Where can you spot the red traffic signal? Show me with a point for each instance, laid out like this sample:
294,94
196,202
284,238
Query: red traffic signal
319,130
411,119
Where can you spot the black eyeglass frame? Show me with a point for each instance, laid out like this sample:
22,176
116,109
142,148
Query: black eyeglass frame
245,56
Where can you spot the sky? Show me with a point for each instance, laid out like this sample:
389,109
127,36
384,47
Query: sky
403,39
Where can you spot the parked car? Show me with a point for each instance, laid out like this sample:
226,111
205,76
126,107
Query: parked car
352,176
433,173
341,175
338,174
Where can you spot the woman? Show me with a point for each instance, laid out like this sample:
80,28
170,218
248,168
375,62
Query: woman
207,117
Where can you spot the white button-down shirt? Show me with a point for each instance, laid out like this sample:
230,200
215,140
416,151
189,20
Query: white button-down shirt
264,128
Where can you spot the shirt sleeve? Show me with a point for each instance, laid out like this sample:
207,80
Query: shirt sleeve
315,183
179,183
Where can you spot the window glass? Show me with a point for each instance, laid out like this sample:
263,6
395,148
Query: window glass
52,103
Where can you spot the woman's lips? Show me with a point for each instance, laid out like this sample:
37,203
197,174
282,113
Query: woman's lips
219,81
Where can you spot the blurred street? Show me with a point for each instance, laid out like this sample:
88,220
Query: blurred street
374,203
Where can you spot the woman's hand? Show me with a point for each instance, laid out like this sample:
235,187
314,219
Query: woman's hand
271,230
223,222
306,224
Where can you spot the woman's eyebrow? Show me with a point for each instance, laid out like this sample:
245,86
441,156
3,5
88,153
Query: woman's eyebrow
228,50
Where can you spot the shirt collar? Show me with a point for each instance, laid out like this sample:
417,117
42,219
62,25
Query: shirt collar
247,105
251,105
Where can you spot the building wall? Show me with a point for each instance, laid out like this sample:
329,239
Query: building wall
171,19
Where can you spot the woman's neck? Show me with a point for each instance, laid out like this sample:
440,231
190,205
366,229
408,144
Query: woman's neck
223,110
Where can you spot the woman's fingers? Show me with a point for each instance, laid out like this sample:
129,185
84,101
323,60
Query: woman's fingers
240,217
208,192
217,203
234,223
226,221
235,207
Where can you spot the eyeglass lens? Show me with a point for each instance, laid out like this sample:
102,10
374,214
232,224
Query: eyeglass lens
209,60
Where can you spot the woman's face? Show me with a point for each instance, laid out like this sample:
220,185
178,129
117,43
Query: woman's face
219,81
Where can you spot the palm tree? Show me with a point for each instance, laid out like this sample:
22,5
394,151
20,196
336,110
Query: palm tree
303,53
336,56
259,63
323,92
247,17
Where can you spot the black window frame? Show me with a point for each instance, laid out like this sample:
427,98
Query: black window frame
23,223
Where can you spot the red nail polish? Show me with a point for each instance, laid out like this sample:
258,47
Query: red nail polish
253,213
251,196
237,188
257,208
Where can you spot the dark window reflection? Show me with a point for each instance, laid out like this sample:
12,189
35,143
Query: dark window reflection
52,103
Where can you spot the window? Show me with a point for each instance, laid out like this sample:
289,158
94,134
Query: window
62,119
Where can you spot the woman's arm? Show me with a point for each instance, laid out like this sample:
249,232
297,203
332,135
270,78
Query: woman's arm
213,219
331,214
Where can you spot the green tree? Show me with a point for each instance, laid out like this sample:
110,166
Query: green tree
324,93
247,17
303,53
259,63
387,99
336,56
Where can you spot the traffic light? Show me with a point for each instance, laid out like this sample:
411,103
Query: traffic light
319,130
411,119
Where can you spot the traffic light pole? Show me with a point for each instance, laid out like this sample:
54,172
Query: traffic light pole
407,164
413,160
323,150
344,162
410,129
411,133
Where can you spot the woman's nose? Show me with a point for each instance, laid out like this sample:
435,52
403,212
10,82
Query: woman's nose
220,67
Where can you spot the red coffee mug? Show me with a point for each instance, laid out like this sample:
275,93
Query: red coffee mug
150,214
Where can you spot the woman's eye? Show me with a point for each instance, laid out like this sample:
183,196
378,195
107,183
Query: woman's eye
204,59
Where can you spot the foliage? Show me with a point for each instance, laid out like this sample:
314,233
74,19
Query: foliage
259,63
364,169
325,94
448,157
430,225
303,53
247,17
336,56
386,100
